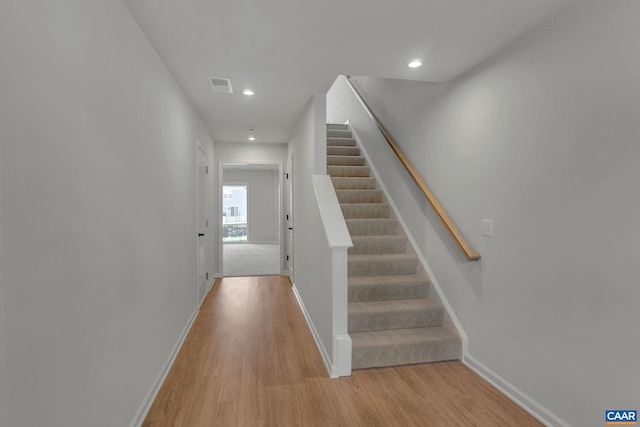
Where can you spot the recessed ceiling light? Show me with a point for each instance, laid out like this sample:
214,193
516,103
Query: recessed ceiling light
247,92
252,138
415,63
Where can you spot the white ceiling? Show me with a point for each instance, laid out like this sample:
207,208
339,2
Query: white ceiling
287,50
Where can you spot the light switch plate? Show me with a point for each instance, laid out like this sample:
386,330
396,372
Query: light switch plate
487,227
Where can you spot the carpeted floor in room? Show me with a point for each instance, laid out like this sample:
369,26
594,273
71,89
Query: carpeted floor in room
251,259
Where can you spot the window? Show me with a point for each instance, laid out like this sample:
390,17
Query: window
234,213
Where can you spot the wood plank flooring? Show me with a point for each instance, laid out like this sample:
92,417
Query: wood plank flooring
250,360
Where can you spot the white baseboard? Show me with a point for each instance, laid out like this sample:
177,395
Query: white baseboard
210,286
142,411
314,332
512,392
342,349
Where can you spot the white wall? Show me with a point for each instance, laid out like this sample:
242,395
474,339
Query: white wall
97,183
251,152
543,139
263,201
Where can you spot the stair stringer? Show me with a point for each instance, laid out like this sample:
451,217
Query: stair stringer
435,291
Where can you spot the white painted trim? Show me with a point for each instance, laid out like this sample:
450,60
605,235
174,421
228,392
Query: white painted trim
335,227
142,411
314,332
512,392
218,216
342,348
342,345
210,286
434,281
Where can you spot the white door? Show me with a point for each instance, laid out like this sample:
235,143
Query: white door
203,223
289,216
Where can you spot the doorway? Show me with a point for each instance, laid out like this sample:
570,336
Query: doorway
251,219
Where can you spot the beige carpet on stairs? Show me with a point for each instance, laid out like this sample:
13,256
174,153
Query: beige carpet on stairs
391,319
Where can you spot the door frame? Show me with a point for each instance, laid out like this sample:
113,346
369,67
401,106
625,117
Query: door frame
289,227
281,223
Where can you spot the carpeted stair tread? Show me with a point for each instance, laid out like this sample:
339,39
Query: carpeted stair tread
338,133
372,244
382,257
394,314
359,196
410,279
382,288
403,347
342,151
362,171
365,210
365,226
337,126
354,183
415,304
381,265
341,142
345,161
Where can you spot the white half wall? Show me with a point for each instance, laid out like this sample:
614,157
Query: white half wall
97,181
312,258
542,139
263,201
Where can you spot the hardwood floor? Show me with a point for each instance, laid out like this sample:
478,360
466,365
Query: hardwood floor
250,360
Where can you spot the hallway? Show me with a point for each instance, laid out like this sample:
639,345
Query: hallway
250,360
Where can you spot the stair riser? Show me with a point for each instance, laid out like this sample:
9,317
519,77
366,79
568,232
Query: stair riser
348,171
342,151
366,322
332,133
345,161
363,227
387,292
354,183
341,142
371,357
382,267
365,210
359,196
392,245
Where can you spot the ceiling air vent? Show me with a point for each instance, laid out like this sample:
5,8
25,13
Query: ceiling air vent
220,85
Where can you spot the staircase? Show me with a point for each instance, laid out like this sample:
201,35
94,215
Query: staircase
391,319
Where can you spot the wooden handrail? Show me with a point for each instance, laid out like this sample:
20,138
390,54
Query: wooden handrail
464,246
